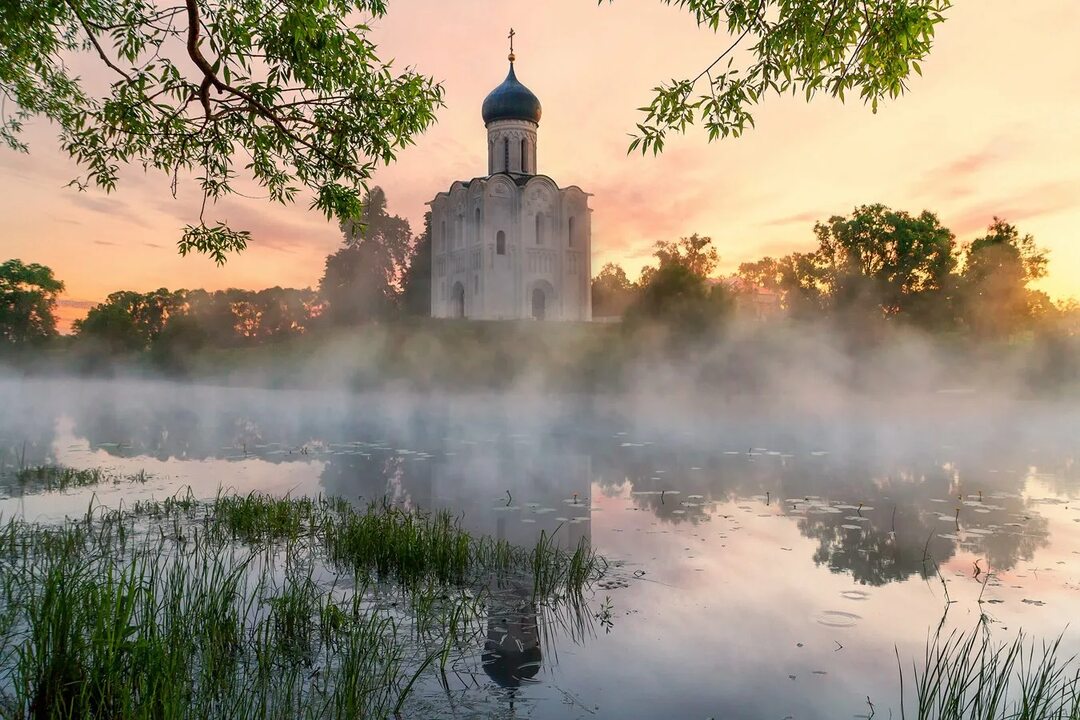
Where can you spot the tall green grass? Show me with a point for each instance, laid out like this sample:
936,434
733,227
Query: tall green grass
967,676
248,607
388,543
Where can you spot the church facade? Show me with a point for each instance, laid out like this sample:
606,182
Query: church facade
511,244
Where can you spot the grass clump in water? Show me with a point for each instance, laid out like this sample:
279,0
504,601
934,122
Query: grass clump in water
257,518
387,543
53,478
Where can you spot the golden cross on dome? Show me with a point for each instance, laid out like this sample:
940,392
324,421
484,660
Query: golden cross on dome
511,36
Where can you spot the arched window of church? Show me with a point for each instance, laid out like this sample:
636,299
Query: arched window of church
524,155
539,229
500,243
570,232
477,230
506,154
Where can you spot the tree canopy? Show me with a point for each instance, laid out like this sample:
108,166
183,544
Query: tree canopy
362,280
283,95
416,280
795,279
27,302
678,291
175,322
998,267
885,263
884,257
802,47
612,291
128,320
695,253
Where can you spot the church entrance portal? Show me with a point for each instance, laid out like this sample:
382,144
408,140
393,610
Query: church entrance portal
539,303
457,306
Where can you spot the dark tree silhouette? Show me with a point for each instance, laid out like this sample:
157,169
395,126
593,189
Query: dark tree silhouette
416,282
998,267
362,279
612,291
888,260
27,302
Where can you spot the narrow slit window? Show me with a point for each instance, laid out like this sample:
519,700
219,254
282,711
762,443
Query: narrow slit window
524,155
539,229
506,154
500,243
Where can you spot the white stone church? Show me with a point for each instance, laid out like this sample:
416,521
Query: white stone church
511,244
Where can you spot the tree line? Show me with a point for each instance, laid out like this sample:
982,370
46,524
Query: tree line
875,266
381,271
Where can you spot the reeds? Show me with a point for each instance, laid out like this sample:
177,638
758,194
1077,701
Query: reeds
57,478
247,607
966,676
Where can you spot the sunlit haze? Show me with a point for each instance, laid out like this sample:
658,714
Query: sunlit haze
990,129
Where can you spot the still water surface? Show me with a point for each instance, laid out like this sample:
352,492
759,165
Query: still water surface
772,562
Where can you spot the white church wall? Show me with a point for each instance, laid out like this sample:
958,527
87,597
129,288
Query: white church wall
501,202
475,238
459,256
575,236
543,258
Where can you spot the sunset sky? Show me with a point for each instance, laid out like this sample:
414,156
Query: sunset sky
993,127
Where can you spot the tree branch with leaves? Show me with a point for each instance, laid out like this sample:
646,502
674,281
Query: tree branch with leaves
287,95
807,47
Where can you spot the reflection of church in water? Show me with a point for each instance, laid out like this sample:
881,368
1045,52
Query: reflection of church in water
511,244
546,489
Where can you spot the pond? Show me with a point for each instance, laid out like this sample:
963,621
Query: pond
771,562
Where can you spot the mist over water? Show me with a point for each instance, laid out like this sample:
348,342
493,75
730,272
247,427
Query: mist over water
777,506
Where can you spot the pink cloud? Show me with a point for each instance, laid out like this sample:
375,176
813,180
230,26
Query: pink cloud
1045,199
962,176
807,218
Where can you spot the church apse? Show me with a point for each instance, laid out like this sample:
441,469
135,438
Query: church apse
517,244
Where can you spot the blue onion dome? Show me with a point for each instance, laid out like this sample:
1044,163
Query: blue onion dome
511,101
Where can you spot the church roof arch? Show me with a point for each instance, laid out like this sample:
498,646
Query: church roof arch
500,184
458,195
577,189
543,181
475,189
